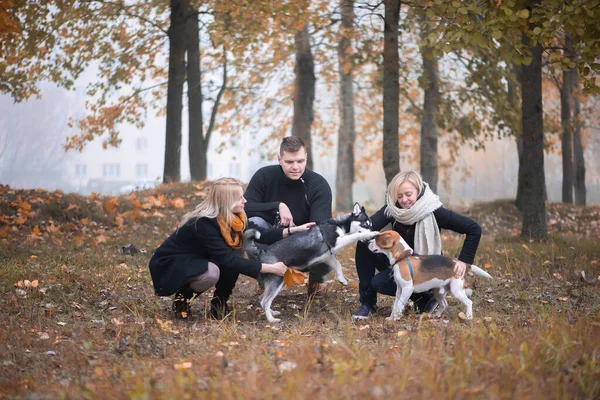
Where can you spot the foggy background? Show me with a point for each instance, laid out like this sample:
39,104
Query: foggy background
31,156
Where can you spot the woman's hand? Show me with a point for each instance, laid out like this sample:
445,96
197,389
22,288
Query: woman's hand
459,269
278,268
303,227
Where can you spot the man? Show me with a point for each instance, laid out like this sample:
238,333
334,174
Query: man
288,194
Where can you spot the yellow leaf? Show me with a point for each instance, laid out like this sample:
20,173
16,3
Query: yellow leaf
293,278
101,239
178,203
36,231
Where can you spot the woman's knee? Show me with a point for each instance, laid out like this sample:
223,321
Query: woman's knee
213,273
201,283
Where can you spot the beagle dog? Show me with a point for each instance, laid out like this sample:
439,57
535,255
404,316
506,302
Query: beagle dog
421,273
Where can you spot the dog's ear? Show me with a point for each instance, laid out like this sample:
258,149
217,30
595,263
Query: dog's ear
363,209
356,210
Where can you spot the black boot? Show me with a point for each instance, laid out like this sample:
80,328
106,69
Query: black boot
181,303
425,302
219,308
368,299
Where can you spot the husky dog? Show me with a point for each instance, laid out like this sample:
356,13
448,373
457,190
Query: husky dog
319,244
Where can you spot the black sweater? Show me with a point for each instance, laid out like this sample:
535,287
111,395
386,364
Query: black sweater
446,219
308,198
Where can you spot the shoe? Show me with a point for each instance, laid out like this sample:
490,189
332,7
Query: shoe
364,311
315,289
218,308
181,308
428,308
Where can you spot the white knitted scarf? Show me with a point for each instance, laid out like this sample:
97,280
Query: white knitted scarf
427,233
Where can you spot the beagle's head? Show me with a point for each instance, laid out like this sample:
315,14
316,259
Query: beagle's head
392,244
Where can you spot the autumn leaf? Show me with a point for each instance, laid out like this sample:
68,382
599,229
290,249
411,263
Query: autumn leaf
101,239
20,220
178,202
111,204
36,231
293,277
72,207
4,232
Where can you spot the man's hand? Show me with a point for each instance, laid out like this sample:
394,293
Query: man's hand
285,215
459,269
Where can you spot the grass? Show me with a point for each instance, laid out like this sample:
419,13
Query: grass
92,327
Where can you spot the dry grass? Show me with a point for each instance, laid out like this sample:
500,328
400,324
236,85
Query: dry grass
94,329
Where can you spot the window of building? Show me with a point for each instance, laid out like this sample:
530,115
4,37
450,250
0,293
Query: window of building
141,170
80,170
141,143
111,170
235,170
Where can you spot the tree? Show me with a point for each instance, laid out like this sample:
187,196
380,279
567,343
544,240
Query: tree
429,134
304,91
346,132
567,93
177,48
532,162
391,91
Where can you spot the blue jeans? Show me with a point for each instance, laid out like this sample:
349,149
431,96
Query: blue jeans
316,273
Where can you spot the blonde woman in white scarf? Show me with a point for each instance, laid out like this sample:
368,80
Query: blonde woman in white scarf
417,214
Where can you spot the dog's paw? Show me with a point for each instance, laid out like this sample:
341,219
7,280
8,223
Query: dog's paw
342,280
275,313
274,320
393,318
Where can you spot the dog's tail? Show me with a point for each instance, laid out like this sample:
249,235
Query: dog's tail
252,250
251,234
478,271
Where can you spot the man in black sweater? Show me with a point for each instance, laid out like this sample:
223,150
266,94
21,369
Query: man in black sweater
288,194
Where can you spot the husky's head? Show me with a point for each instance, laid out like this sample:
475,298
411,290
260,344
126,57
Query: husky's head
359,220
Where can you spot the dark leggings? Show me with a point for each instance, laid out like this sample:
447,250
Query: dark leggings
367,263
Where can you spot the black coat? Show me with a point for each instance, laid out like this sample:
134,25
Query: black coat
445,219
187,251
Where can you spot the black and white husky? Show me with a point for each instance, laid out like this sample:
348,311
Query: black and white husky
319,244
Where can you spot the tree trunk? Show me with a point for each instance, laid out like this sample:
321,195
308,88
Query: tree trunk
580,190
172,168
429,137
566,111
513,98
304,91
391,90
532,162
197,147
346,134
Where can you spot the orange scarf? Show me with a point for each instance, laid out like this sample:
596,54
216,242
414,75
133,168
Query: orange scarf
238,224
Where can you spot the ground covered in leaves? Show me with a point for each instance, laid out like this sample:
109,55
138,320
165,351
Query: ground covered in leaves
79,318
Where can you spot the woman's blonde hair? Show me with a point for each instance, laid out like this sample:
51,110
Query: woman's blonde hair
222,196
401,177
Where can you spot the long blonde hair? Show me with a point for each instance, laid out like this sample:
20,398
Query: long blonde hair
401,177
221,198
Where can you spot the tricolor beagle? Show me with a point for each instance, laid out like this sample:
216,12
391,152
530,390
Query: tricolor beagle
421,273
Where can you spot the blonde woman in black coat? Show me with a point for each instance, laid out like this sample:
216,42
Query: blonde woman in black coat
206,251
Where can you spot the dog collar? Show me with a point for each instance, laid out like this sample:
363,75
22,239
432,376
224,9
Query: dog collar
410,268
